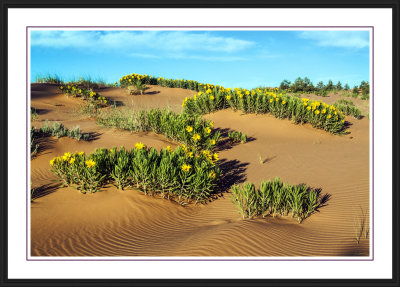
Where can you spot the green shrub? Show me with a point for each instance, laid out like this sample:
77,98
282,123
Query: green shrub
348,110
275,198
49,79
180,174
34,114
85,94
190,130
237,137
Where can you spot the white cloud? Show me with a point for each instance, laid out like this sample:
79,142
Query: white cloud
344,39
147,44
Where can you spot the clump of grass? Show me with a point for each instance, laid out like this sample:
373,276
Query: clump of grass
237,137
86,94
49,79
361,226
138,87
189,130
89,109
34,114
58,130
276,198
33,139
365,97
344,102
349,110
88,83
179,174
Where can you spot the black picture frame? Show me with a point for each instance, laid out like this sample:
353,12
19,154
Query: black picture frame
5,157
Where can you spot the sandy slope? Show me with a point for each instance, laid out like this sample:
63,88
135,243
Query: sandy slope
128,223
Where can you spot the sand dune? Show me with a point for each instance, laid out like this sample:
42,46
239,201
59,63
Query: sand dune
129,223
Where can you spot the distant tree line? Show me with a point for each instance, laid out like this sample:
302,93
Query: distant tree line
305,85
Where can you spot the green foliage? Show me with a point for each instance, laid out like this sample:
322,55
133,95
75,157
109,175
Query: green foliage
34,114
85,94
49,79
344,102
182,174
348,109
33,139
318,114
138,87
188,129
275,198
59,130
237,137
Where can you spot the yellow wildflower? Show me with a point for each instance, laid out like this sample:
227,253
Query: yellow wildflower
186,167
189,129
81,153
328,116
271,100
211,97
190,154
169,148
215,156
283,102
90,163
139,145
52,161
308,108
228,97
208,130
66,156
212,124
212,142
212,174
72,160
196,137
317,112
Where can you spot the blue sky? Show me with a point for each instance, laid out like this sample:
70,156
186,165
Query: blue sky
229,58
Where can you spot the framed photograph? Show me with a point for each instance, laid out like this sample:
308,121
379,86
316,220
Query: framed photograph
238,144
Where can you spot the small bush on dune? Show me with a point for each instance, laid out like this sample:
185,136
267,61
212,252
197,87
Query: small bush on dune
49,79
275,198
86,94
57,130
187,129
34,114
348,109
237,137
181,174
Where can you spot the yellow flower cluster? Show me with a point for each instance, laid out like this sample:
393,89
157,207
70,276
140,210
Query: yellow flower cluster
90,163
186,167
139,145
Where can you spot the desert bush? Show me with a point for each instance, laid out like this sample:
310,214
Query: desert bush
58,130
49,79
34,134
181,174
137,87
349,110
85,94
275,198
237,137
34,114
190,130
344,102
